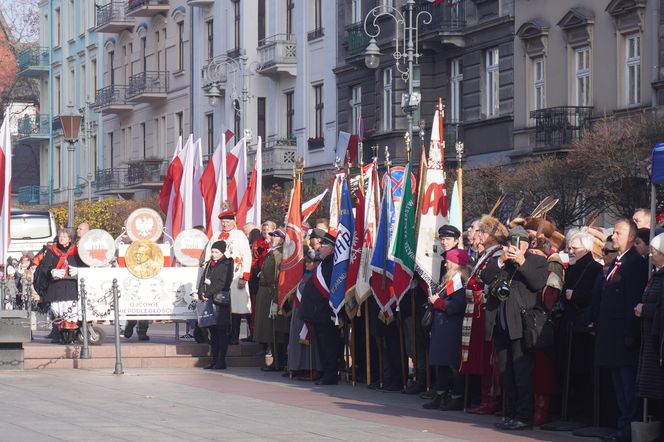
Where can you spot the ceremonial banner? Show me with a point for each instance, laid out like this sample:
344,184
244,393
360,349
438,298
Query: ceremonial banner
167,296
249,210
335,199
171,187
455,208
433,210
403,243
214,184
292,262
358,241
382,265
236,166
371,200
5,185
342,250
310,206
193,212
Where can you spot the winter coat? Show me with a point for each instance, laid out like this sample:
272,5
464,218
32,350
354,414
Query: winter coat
445,342
617,340
650,375
65,289
581,279
315,307
266,329
221,277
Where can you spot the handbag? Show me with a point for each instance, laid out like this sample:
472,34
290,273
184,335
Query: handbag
538,330
427,317
223,298
206,314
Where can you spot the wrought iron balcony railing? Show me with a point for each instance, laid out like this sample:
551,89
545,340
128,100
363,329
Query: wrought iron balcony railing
444,18
560,125
112,17
135,4
33,57
32,194
33,126
148,82
356,40
144,172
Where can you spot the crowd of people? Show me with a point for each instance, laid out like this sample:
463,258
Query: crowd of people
471,352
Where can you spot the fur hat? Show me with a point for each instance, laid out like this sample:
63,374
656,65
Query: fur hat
540,225
493,227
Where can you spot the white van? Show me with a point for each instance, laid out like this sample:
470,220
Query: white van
30,230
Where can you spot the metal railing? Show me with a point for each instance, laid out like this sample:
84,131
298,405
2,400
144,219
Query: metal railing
135,4
356,39
148,82
111,95
316,33
32,195
560,125
112,11
279,48
443,18
31,125
132,175
146,172
38,56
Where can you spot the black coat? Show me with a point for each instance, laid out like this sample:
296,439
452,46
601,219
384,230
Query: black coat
581,279
527,282
617,341
650,377
445,344
221,277
315,307
59,289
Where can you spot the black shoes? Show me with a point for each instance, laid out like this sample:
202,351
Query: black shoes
323,381
452,404
270,368
128,332
209,366
435,402
234,342
616,436
391,388
141,337
510,424
415,389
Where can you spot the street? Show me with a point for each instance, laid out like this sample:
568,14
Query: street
237,404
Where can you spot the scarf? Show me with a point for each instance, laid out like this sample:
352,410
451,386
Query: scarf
63,255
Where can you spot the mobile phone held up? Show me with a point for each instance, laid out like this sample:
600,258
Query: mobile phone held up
515,241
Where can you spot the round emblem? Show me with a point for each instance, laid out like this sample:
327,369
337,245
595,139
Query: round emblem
96,248
144,259
396,176
189,246
144,224
292,249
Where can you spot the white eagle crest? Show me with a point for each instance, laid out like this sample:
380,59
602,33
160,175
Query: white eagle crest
144,225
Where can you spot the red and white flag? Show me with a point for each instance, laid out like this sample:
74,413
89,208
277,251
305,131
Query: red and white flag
171,187
5,185
236,166
193,208
214,185
310,206
335,199
371,201
249,210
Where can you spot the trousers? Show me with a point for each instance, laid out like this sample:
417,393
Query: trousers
516,372
329,343
624,385
219,339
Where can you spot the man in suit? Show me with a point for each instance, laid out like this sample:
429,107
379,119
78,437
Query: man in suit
617,341
526,275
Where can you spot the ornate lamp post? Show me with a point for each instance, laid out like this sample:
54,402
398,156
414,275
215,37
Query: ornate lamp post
71,124
408,42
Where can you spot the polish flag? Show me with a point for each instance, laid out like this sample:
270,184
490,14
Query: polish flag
5,186
170,189
249,210
193,213
310,206
214,186
236,166
178,203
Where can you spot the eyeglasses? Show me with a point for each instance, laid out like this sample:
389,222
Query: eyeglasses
607,251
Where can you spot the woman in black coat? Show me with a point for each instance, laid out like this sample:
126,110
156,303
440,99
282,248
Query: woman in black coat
650,373
58,272
445,341
216,278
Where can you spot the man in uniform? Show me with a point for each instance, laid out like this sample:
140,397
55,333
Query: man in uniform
237,246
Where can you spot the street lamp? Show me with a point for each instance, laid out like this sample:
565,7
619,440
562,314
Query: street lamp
408,24
71,124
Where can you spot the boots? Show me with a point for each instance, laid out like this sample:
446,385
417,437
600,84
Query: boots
488,405
436,402
541,416
452,404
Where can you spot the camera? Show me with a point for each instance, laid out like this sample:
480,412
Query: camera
502,290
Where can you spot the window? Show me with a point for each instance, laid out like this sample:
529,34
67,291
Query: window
71,88
144,53
111,68
356,108
582,73
157,40
260,118
261,21
209,119
144,141
156,133
236,28
633,66
84,86
290,113
237,120
210,39
126,55
388,99
538,83
456,90
179,123
289,16
356,11
318,14
111,145
492,83
58,95
181,46
94,77
72,20
318,110
93,145
57,27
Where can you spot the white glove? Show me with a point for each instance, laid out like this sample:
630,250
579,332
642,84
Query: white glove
58,273
73,271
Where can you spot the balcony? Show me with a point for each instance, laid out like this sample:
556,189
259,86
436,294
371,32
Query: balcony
356,40
33,62
146,8
112,100
148,87
277,55
279,158
447,23
560,126
33,195
215,72
33,128
112,18
146,173
200,3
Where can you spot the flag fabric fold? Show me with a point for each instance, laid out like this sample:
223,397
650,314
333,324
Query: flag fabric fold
342,251
292,262
171,187
403,243
249,210
335,199
214,184
5,185
382,265
371,208
357,243
236,167
309,207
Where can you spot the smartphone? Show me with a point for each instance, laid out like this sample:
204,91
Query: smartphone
515,241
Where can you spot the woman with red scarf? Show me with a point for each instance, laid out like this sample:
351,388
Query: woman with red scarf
59,269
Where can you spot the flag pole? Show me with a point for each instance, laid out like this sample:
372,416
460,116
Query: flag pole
459,155
388,163
402,345
367,337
